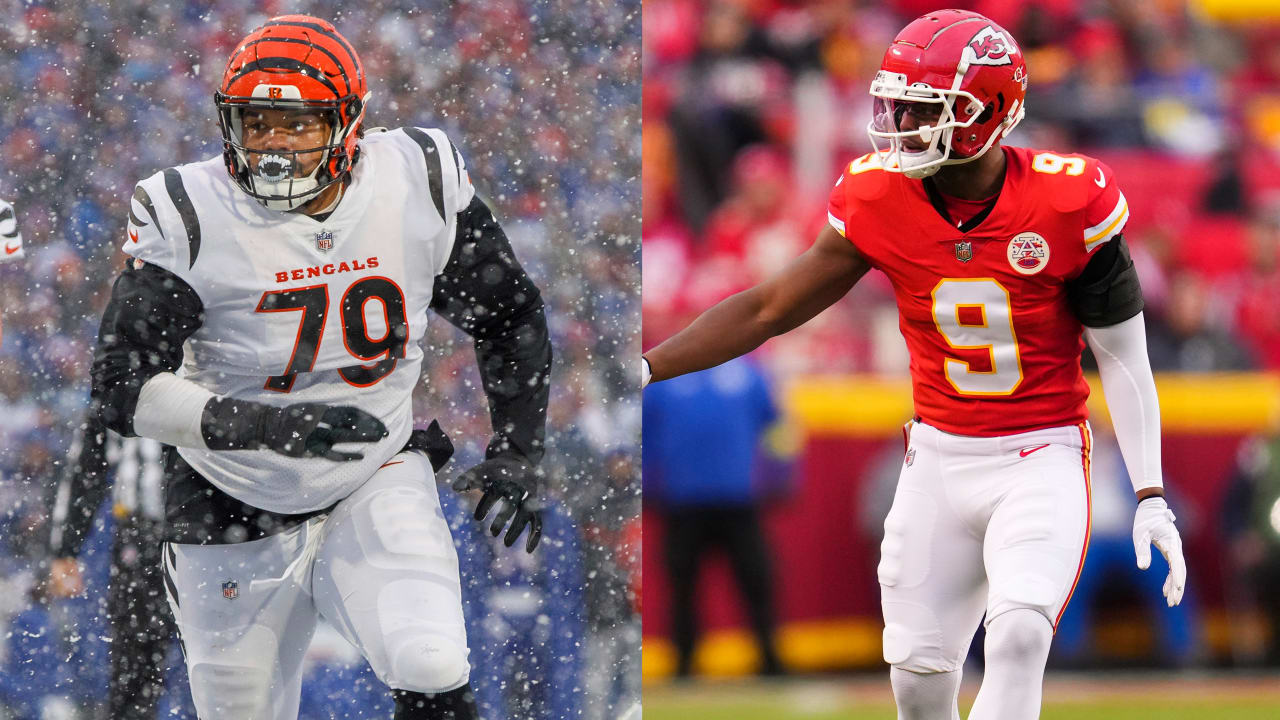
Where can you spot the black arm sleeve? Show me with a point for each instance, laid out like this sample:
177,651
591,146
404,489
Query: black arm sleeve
150,314
81,489
485,293
1107,292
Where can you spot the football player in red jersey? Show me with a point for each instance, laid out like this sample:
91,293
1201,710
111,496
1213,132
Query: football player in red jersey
1000,259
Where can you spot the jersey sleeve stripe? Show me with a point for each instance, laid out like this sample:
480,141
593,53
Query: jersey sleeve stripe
145,201
836,223
182,201
457,163
435,173
1106,229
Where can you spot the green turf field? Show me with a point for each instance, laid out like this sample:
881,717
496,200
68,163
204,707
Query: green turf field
1076,698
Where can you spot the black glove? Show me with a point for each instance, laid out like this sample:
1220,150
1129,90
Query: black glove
299,430
511,479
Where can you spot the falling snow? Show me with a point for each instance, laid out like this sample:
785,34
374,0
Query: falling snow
543,99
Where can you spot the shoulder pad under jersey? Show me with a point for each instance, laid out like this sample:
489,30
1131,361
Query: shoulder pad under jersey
448,182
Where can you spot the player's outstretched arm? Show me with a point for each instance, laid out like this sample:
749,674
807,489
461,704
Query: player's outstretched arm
739,324
485,292
151,314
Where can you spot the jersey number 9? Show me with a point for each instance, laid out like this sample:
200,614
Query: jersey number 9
974,314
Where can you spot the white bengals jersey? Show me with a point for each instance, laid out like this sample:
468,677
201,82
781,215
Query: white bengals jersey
10,238
301,310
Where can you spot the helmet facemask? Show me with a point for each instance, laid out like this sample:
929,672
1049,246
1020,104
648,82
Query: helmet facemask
939,113
274,177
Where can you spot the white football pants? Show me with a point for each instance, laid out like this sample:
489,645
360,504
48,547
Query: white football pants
381,568
980,525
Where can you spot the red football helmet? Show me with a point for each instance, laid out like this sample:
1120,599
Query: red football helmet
963,80
292,62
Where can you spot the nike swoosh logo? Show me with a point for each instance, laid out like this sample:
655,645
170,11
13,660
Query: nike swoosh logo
1027,451
133,236
11,249
389,464
1101,181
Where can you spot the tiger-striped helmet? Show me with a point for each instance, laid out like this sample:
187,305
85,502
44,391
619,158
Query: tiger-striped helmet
292,63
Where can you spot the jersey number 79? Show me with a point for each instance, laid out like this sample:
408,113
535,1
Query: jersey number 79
378,354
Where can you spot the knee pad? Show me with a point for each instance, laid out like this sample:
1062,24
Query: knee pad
427,663
915,651
231,691
897,644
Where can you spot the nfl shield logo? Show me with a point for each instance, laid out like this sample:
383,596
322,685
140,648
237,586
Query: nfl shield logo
964,251
230,589
324,241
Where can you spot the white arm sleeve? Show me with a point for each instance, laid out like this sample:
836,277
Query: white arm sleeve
169,410
1130,390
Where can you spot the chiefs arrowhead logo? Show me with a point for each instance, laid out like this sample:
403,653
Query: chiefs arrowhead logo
133,235
990,47
11,249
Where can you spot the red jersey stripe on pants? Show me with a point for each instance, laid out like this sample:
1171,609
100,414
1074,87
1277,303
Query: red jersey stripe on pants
1086,461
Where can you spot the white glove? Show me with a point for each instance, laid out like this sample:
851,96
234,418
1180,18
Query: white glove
1153,525
644,372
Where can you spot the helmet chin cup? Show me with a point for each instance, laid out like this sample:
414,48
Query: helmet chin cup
304,190
920,165
273,184
280,189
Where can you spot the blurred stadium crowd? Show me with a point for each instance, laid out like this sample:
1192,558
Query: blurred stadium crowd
751,107
541,97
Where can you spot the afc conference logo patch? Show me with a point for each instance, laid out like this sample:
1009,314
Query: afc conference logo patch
964,251
230,589
324,241
1028,253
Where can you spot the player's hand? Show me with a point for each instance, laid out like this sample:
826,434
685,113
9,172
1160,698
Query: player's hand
515,482
65,578
1153,525
312,429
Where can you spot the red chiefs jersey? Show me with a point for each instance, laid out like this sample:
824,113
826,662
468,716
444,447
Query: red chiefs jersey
995,348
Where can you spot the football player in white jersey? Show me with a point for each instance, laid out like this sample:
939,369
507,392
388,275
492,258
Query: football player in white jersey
12,239
267,326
